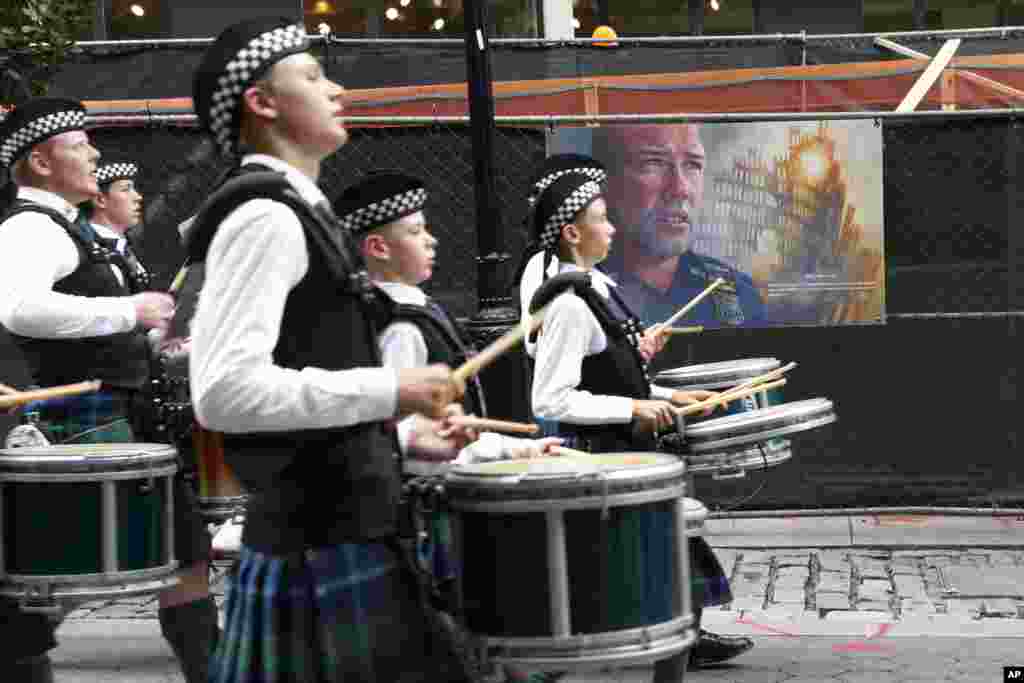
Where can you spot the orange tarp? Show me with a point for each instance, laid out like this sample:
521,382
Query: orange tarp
834,87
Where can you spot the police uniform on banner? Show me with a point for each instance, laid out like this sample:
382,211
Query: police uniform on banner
320,592
597,414
735,303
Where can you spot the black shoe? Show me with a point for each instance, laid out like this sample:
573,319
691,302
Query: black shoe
712,648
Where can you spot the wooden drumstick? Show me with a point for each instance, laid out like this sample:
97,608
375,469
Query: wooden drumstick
19,397
484,424
693,302
496,348
761,379
4,389
727,396
685,330
179,279
562,450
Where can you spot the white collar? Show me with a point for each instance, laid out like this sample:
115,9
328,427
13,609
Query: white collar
106,232
306,188
51,200
599,279
403,293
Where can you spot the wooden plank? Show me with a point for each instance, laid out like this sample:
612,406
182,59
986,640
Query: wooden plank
1001,88
930,75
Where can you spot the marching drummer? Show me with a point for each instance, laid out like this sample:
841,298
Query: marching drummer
589,382
74,315
385,212
285,363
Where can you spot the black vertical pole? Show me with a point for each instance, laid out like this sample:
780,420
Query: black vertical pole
695,9
1015,285
920,15
497,312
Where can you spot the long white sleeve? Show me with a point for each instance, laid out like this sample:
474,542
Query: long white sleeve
35,253
256,258
569,331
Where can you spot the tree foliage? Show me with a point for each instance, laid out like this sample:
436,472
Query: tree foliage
36,37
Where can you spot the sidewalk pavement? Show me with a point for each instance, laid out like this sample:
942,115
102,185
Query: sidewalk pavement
903,599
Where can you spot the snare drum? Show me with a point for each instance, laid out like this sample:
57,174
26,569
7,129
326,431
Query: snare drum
729,464
592,552
219,495
724,375
736,433
84,522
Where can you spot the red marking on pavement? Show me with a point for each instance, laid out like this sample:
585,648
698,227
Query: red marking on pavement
877,630
765,627
860,646
901,520
1008,522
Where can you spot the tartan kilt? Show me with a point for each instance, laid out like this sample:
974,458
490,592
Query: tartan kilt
709,586
348,613
101,417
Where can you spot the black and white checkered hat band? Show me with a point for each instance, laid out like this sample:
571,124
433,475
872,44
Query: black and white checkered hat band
111,172
572,205
37,130
239,72
596,174
385,211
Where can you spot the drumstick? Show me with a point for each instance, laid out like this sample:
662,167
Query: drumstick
562,450
693,302
20,397
7,390
761,379
727,396
499,346
179,279
685,330
484,424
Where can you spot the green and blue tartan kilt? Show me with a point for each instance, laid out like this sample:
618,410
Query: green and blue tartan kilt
348,613
101,417
709,586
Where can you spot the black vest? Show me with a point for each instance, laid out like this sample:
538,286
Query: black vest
446,343
317,487
119,360
619,370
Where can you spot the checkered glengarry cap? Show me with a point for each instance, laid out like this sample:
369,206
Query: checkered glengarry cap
554,167
119,170
36,121
560,203
379,199
240,55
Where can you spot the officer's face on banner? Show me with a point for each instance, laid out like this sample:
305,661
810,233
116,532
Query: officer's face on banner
654,194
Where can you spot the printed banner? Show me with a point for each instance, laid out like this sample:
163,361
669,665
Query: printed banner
788,214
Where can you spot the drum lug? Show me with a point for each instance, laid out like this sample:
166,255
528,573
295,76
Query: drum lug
735,474
146,486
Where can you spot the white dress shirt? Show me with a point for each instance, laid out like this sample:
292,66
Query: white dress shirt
35,253
109,233
256,258
402,346
571,332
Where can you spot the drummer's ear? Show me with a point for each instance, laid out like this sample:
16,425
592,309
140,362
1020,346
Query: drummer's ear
571,233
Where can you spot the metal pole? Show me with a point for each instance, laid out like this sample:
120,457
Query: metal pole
497,311
99,28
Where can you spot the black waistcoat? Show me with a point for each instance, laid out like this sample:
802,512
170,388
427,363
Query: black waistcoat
619,370
317,487
446,343
119,360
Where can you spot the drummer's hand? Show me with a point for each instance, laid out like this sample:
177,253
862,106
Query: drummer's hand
535,448
427,390
426,442
654,341
175,347
458,433
653,416
685,398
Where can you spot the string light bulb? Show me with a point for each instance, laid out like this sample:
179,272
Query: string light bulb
715,5
138,10
438,24
391,13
